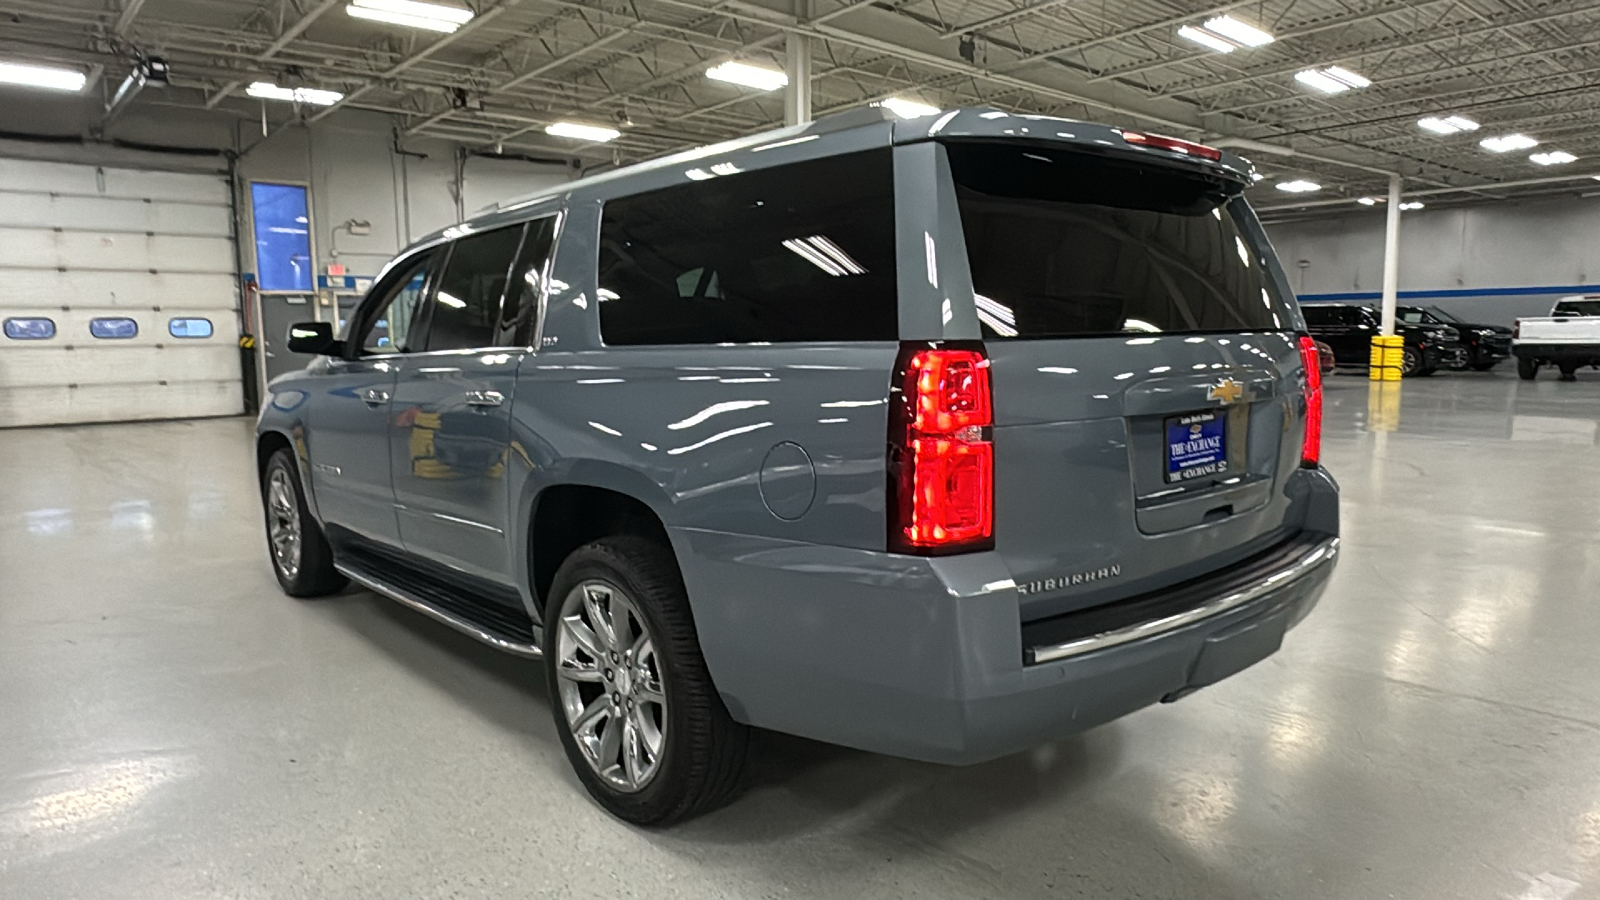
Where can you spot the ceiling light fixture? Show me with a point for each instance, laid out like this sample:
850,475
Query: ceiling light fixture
266,90
411,13
1239,32
1332,79
1447,125
1298,187
594,133
746,75
48,77
1207,39
1552,158
1225,34
1370,201
1506,143
1411,205
908,109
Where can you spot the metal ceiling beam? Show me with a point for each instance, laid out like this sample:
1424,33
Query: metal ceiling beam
1434,192
298,28
130,11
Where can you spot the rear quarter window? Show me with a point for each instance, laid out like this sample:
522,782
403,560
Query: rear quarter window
802,252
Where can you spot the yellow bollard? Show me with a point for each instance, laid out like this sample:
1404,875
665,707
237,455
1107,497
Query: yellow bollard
1388,358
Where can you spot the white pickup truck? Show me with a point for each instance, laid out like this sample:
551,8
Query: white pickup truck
1568,339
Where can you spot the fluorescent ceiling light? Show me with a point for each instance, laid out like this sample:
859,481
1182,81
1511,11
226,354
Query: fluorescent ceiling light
1508,142
1448,125
49,77
411,13
1207,39
1298,187
1553,158
1331,80
1238,32
762,79
1369,201
1411,204
908,109
266,90
582,132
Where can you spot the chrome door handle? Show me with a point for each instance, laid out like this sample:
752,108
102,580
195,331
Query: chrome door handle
374,396
485,398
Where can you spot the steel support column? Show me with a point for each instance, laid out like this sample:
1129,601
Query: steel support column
1391,256
797,64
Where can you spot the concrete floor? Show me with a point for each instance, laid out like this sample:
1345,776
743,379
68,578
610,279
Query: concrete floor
171,726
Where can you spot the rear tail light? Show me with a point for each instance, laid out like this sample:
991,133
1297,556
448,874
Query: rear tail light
1516,330
1311,449
1176,145
941,454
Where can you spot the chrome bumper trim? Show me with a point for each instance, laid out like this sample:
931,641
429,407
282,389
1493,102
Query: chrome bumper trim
1323,554
468,628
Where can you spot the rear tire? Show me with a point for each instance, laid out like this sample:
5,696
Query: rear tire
625,671
301,557
1569,373
1411,363
1527,369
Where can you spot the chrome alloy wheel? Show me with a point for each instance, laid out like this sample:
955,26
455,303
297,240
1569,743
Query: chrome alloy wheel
283,523
610,683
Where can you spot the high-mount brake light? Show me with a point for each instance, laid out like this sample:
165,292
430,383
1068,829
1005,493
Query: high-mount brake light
1311,448
941,456
1176,145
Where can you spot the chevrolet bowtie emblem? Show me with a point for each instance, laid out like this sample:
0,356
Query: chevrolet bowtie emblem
1227,392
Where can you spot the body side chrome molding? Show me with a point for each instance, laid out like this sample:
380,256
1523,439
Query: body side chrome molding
1322,554
466,627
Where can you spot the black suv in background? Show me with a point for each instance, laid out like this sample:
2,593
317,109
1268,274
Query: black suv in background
1349,330
1486,345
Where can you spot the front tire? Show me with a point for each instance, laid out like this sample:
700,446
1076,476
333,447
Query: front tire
301,557
1527,369
633,701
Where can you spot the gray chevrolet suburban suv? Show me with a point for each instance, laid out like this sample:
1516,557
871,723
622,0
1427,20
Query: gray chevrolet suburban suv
941,438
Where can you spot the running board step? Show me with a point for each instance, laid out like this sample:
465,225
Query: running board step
500,629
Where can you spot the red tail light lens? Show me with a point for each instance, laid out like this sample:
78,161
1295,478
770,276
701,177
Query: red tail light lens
1176,145
941,458
1311,450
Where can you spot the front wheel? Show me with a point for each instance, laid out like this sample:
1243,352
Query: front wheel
1527,369
301,557
638,715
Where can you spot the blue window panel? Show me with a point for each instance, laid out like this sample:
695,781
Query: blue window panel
190,328
283,237
113,329
30,329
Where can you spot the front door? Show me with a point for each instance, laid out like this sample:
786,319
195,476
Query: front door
348,419
452,404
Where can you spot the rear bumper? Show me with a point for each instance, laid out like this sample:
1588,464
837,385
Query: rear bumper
928,658
1559,354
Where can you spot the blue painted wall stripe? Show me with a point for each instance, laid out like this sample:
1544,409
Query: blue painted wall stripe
1455,292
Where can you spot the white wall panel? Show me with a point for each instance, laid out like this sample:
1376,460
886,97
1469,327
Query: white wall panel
79,242
27,209
30,288
34,248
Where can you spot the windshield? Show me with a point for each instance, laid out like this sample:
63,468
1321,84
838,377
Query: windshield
1443,316
1578,307
1065,244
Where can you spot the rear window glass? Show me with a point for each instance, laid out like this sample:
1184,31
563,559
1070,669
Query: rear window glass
114,328
30,328
1066,243
1579,307
803,252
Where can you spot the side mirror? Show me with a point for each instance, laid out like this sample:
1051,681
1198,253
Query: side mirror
314,338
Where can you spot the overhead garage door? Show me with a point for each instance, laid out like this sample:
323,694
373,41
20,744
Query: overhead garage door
84,252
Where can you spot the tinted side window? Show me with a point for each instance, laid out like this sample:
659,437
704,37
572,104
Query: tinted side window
803,252
519,319
466,307
391,326
1319,316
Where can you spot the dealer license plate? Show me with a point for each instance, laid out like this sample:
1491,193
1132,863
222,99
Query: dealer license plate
1197,446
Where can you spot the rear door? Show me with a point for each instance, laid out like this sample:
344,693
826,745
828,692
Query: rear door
1148,386
451,423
